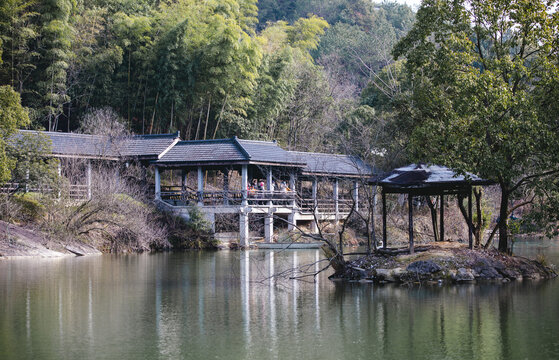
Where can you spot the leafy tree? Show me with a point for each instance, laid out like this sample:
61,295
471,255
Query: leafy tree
12,117
482,72
56,38
17,32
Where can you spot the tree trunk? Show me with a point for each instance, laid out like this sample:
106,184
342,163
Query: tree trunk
503,220
432,205
478,234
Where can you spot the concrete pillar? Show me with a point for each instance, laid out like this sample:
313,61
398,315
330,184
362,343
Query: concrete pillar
356,194
243,228
269,226
226,187
88,179
200,187
336,200
244,185
292,180
210,217
291,221
157,184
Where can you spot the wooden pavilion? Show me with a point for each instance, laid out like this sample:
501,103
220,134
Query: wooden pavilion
428,180
241,163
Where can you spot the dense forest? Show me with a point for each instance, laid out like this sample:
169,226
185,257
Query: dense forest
287,70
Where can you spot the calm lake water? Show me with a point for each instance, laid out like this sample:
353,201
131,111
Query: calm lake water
222,305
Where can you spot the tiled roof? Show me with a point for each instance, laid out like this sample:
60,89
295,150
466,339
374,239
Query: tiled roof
227,150
267,151
98,146
203,151
148,145
417,175
71,144
331,164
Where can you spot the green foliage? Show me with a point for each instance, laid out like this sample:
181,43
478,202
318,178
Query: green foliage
31,208
33,168
196,233
12,116
479,69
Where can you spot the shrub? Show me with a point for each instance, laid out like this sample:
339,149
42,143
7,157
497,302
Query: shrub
31,208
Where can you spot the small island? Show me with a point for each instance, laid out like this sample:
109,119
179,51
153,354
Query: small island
443,263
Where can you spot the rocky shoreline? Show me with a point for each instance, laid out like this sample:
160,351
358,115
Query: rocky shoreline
444,264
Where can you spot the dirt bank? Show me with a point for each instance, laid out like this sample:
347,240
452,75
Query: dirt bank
17,241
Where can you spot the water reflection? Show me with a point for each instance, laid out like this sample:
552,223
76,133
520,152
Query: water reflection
228,305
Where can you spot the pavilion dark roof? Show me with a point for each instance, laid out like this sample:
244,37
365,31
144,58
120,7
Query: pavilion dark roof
422,176
331,164
223,151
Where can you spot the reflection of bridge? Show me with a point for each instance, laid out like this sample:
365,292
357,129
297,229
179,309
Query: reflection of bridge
314,187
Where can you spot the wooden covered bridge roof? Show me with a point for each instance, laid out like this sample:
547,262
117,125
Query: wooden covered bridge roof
227,152
72,145
331,164
166,150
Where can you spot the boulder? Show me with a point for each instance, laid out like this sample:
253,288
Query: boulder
422,267
462,274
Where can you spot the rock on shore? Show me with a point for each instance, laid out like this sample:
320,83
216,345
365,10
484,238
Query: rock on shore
445,264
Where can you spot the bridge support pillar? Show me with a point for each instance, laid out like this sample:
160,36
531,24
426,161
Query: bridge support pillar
291,222
269,227
243,228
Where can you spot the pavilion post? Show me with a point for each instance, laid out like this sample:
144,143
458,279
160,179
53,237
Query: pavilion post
269,185
384,237
244,185
441,238
356,194
200,186
184,175
59,169
291,217
184,181
470,220
226,187
314,224
157,183
88,179
410,220
292,179
336,200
